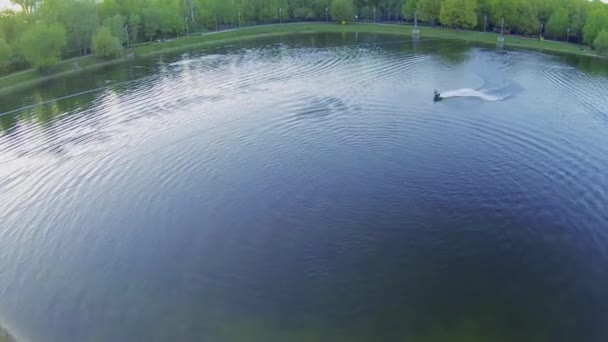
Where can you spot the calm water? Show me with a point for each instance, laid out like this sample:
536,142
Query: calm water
306,188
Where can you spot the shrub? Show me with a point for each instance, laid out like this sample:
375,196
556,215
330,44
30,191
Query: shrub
105,45
601,43
41,45
342,10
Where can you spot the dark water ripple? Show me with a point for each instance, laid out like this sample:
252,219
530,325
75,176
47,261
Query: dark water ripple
307,188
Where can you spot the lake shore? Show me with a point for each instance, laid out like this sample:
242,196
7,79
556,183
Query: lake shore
32,77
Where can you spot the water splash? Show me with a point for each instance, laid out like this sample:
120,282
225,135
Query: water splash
468,92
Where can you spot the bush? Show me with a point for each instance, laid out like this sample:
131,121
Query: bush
601,43
106,45
41,45
342,10
5,55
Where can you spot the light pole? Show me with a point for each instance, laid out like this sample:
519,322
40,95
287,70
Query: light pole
416,31
501,38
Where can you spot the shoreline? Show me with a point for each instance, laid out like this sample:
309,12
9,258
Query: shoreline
31,77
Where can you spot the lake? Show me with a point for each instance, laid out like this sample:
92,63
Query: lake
307,188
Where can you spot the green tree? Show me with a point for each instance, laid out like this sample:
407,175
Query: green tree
601,43
105,44
558,23
459,13
27,6
107,9
577,12
409,9
596,22
152,18
215,13
5,55
264,11
78,17
300,9
545,8
525,20
173,20
503,9
428,10
116,26
389,9
12,24
41,44
342,10
318,8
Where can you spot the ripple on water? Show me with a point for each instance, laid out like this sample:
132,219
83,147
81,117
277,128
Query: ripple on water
299,165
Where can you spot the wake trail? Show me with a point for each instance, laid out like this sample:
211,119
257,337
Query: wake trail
468,92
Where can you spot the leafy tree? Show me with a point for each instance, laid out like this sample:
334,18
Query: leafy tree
262,11
12,24
318,8
78,17
41,44
108,8
152,18
520,15
525,20
596,22
545,9
215,13
502,9
115,24
105,44
300,9
27,6
601,43
133,26
409,9
5,55
577,12
173,22
459,13
558,23
342,10
389,9
428,10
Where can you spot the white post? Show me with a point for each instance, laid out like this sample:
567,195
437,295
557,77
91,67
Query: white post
416,31
501,38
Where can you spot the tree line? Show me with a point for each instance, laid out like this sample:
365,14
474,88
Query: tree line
45,31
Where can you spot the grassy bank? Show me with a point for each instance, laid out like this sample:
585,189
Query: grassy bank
32,77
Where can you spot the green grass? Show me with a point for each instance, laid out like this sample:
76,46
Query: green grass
32,77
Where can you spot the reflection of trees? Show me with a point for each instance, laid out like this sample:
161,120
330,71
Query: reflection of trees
449,51
592,65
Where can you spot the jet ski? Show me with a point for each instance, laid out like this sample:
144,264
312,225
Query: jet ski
437,96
